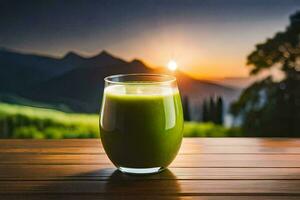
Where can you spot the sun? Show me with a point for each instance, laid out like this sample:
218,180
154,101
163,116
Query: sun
172,65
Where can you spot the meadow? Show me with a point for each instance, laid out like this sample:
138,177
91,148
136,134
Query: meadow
18,121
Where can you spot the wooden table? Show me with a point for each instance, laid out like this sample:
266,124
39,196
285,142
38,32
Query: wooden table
213,169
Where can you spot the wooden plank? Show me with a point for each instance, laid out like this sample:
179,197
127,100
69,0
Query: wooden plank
189,146
185,149
130,197
225,168
4,143
263,142
270,142
96,172
156,187
53,150
201,160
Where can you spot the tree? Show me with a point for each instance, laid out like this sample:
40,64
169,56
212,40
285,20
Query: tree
205,111
212,110
270,108
219,111
186,109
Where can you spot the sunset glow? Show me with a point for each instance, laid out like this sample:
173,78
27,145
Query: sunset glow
207,39
172,65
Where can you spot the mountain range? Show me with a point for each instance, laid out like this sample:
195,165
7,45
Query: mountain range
77,81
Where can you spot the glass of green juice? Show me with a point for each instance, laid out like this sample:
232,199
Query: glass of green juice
141,121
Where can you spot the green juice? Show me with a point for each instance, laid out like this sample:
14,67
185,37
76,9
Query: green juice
141,126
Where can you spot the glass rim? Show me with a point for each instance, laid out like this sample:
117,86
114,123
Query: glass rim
168,79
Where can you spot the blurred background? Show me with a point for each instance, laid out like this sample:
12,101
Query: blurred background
237,63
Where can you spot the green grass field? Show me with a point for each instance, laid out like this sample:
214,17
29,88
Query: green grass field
29,122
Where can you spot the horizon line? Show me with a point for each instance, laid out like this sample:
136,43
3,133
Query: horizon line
80,54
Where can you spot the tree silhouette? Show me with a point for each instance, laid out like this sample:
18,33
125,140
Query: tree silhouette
186,109
212,110
205,110
219,111
270,108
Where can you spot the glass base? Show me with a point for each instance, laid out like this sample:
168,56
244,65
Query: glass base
151,170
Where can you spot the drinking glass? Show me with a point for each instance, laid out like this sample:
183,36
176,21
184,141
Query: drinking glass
141,121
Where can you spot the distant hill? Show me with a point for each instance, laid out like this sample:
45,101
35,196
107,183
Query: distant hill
235,82
82,88
77,81
19,71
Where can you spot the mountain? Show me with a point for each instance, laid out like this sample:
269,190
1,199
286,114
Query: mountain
77,81
19,71
82,87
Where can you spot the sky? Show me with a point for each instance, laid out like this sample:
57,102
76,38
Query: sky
207,38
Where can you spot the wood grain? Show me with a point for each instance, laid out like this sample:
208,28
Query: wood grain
267,142
186,149
130,197
98,172
196,160
206,169
157,187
